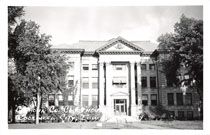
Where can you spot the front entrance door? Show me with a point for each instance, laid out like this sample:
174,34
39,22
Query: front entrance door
120,106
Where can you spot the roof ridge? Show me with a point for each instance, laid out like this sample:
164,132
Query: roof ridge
140,41
93,41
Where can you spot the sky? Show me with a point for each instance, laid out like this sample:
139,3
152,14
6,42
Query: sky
68,25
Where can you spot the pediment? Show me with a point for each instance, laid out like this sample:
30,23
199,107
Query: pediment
119,94
119,45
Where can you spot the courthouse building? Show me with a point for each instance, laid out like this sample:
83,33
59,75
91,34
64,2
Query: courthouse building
120,77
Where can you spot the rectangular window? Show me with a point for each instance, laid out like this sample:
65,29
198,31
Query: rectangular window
94,67
70,81
190,115
145,99
144,82
119,67
152,82
51,99
94,100
71,65
84,100
151,66
169,83
188,99
172,114
180,115
85,67
119,81
170,98
186,76
70,100
179,98
143,67
154,99
85,83
95,83
60,100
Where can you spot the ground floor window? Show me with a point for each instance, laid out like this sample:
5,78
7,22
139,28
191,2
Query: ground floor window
171,114
70,100
51,99
94,100
60,100
190,115
84,100
154,99
145,99
180,115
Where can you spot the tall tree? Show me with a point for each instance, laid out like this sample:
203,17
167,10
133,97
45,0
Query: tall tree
185,47
44,70
38,69
15,97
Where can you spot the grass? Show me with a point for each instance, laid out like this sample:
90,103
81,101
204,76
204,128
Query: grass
193,125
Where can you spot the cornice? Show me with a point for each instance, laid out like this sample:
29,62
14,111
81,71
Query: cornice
69,51
120,52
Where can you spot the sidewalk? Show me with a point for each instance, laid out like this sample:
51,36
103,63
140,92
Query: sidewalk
123,119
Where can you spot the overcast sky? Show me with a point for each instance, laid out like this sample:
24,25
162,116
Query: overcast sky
71,24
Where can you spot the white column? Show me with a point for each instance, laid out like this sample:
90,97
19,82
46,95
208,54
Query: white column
139,83
108,88
101,84
133,96
132,75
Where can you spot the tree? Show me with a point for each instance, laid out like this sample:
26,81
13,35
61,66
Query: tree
44,70
40,70
185,47
15,97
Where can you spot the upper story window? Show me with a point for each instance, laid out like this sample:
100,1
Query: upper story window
169,83
85,67
70,81
94,67
94,82
143,67
152,82
71,65
119,67
144,82
179,98
119,81
170,97
85,83
151,66
188,99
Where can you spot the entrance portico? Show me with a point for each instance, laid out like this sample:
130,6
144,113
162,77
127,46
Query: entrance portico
119,78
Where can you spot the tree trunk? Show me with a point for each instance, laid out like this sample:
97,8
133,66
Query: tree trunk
37,107
13,113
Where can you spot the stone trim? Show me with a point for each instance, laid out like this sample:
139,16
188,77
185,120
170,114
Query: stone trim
124,53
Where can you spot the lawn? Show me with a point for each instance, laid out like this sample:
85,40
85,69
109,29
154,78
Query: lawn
193,125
